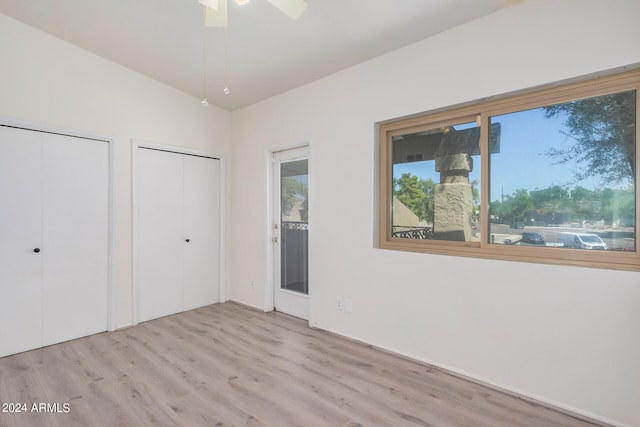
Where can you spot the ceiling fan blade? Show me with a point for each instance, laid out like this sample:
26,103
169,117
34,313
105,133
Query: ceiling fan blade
293,8
216,18
212,4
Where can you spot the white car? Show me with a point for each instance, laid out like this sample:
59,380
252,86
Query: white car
582,241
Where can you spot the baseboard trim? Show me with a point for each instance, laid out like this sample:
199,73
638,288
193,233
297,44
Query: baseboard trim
567,410
244,304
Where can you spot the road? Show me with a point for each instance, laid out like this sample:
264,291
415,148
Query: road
615,240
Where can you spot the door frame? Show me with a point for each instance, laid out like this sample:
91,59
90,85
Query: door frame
269,280
136,144
111,226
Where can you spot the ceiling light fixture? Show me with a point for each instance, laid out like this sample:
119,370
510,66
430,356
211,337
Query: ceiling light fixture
204,101
215,15
226,90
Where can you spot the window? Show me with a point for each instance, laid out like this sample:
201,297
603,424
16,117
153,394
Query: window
548,176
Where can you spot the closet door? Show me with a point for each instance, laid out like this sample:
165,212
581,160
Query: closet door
20,236
160,239
54,225
177,232
75,237
201,227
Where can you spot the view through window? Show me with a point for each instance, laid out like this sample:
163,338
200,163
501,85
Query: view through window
436,175
548,176
565,175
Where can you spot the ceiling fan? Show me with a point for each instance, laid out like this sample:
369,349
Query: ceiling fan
216,10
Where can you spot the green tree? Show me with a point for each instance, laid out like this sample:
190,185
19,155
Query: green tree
617,205
497,211
549,201
292,191
603,129
557,204
520,205
475,195
584,204
417,194
554,196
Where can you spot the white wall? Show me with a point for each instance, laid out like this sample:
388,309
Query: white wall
48,81
565,335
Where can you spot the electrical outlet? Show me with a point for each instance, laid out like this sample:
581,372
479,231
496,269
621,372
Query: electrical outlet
348,305
340,305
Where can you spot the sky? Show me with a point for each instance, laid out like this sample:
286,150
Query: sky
522,162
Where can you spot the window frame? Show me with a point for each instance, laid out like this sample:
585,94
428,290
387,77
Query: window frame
484,109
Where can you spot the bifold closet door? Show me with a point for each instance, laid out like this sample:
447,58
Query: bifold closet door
54,225
202,228
160,239
75,237
20,236
177,237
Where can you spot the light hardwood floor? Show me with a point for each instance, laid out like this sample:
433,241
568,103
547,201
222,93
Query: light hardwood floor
229,365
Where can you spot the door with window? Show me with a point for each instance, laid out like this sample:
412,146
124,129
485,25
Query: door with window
291,231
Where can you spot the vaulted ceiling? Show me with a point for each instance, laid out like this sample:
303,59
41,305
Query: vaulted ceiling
268,53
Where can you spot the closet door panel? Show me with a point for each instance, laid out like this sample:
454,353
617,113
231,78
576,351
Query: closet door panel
201,219
160,237
20,234
75,237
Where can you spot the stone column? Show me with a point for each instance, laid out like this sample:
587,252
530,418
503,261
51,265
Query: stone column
453,202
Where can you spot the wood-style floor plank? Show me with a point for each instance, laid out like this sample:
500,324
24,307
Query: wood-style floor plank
229,365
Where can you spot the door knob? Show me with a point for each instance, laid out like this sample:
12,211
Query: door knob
36,250
188,240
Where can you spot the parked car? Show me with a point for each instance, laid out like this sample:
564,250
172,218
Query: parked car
582,241
532,237
516,225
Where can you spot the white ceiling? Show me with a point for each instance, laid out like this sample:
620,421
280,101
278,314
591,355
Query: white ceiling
268,52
